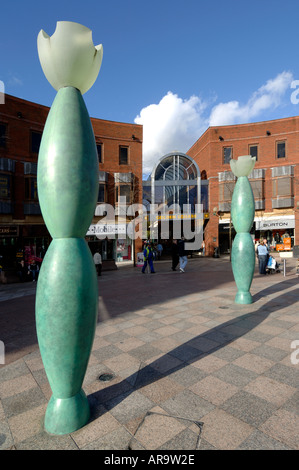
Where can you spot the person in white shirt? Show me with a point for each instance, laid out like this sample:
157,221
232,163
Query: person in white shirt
98,262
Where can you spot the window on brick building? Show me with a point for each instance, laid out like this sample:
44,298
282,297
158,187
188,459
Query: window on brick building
282,187
102,193
31,188
124,190
227,154
280,149
253,151
5,186
36,138
3,128
123,155
100,152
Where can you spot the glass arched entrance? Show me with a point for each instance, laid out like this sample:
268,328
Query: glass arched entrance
175,181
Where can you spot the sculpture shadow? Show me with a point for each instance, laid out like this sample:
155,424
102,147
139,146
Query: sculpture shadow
193,350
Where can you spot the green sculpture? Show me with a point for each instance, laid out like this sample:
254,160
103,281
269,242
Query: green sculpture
67,178
242,214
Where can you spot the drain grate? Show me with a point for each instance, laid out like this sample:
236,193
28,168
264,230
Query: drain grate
106,377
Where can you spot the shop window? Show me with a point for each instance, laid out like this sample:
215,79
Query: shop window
3,129
5,186
31,189
36,138
100,152
227,154
123,155
253,151
280,149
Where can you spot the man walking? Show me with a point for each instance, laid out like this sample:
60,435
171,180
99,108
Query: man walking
182,254
98,263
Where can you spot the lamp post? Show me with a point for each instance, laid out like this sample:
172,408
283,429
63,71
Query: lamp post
242,215
67,178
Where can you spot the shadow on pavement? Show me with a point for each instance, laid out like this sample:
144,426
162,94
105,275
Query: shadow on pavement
189,352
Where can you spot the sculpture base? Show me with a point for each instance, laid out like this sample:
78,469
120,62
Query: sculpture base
243,298
66,415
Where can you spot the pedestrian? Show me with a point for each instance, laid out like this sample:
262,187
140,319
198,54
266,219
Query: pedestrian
262,255
159,250
22,271
182,254
174,254
148,258
97,258
33,270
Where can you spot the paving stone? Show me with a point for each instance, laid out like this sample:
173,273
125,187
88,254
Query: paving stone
284,374
156,430
187,405
6,439
283,426
117,440
249,408
22,402
224,431
258,440
45,441
127,407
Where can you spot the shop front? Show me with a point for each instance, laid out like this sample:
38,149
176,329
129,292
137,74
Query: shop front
111,241
279,232
21,242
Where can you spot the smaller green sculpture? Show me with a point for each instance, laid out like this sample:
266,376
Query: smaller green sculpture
242,214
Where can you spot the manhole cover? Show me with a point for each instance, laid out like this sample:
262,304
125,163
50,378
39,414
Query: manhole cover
106,377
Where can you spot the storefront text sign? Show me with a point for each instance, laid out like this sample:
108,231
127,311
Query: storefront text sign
107,229
272,224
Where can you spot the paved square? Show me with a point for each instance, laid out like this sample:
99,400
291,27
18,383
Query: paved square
179,352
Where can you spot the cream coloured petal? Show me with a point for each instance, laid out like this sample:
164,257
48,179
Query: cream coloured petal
68,57
243,166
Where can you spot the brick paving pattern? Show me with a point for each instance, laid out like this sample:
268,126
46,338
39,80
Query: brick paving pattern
191,370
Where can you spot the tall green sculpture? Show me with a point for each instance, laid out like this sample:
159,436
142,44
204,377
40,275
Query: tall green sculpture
67,178
242,214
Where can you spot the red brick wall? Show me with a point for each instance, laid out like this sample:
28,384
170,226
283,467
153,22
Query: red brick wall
33,117
208,153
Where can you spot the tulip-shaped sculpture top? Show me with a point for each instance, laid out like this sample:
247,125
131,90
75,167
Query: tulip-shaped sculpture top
69,58
243,166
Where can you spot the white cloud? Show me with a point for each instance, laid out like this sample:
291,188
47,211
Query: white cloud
268,96
175,124
172,124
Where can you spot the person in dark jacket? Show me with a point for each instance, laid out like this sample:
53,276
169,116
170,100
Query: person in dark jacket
182,254
174,254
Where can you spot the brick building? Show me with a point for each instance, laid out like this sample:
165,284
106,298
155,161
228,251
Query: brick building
22,229
274,180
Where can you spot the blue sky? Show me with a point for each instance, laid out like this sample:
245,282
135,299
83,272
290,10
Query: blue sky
174,66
